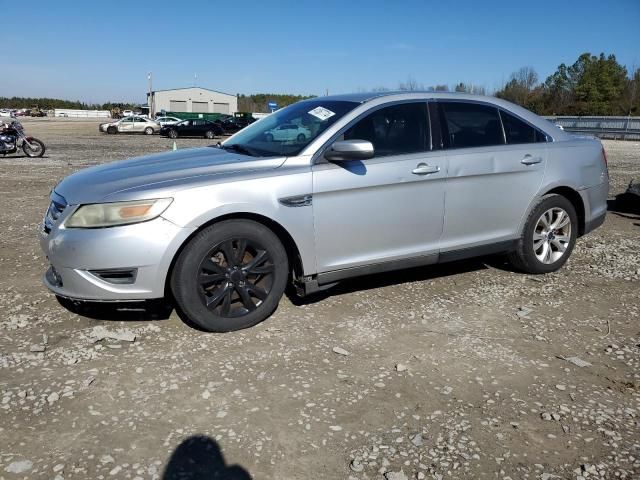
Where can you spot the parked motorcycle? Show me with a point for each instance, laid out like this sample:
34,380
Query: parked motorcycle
12,137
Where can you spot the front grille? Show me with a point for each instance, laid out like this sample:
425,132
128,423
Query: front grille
56,207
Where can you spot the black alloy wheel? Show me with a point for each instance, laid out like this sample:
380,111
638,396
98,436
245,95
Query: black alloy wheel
231,275
235,277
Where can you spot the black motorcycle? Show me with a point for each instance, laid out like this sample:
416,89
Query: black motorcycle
12,137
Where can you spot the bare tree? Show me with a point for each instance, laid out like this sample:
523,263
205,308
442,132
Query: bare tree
526,76
411,85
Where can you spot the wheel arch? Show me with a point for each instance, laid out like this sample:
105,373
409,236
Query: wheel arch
576,200
290,246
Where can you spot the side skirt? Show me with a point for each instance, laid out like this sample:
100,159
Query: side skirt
322,281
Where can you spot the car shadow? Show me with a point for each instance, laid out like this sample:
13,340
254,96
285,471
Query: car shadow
129,311
200,457
399,277
625,205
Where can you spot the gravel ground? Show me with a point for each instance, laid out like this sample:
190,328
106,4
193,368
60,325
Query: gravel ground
466,370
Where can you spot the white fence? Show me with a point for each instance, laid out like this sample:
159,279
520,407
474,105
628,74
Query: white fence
71,113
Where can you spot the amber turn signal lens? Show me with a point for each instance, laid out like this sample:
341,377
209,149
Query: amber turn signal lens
134,211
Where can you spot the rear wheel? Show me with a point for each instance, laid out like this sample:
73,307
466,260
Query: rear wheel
548,238
209,134
230,276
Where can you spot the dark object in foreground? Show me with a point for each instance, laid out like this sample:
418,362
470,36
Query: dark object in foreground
200,458
629,201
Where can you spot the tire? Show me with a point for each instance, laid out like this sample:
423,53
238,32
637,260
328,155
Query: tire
239,294
301,137
38,152
268,137
173,134
112,130
148,131
543,253
209,134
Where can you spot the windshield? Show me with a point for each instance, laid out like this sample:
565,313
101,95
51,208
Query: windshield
288,131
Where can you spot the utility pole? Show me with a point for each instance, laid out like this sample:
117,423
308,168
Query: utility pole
151,102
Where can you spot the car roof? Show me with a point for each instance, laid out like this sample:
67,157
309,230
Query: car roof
392,96
362,97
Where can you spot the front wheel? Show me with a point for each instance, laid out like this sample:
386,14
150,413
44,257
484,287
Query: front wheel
34,148
548,237
230,276
173,134
148,131
209,134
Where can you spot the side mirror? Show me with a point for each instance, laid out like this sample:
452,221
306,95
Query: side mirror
345,150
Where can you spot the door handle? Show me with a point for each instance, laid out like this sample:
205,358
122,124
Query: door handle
424,169
529,160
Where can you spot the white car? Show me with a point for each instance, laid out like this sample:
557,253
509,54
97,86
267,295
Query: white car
134,124
287,133
167,121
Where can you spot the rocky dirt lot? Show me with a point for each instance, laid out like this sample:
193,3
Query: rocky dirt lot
466,370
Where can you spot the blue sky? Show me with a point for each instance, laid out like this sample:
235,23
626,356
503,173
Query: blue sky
102,50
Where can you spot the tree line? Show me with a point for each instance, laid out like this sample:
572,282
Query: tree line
592,85
259,102
51,103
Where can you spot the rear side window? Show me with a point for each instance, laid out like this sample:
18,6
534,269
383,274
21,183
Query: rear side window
472,125
394,130
518,131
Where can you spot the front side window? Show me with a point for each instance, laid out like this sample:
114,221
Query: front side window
472,125
394,130
289,130
517,131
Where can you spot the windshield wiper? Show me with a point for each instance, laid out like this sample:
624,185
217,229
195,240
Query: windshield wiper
238,148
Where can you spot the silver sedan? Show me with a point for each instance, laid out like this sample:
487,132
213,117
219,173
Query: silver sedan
382,181
133,124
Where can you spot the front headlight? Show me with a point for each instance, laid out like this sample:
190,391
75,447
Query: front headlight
98,215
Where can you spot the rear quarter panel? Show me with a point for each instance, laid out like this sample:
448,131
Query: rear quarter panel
577,163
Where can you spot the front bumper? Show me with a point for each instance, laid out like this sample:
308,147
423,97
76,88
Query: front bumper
75,255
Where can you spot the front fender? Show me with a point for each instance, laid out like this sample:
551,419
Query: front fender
260,196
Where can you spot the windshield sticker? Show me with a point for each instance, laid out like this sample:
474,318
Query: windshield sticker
321,113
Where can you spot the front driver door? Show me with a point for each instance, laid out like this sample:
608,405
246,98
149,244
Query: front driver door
126,125
387,208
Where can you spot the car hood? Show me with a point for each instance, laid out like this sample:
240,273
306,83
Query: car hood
148,176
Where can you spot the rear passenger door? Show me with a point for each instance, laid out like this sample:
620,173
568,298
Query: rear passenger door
496,164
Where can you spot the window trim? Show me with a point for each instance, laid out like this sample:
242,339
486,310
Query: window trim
547,138
318,156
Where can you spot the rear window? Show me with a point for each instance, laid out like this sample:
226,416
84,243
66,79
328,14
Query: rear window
518,131
472,125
